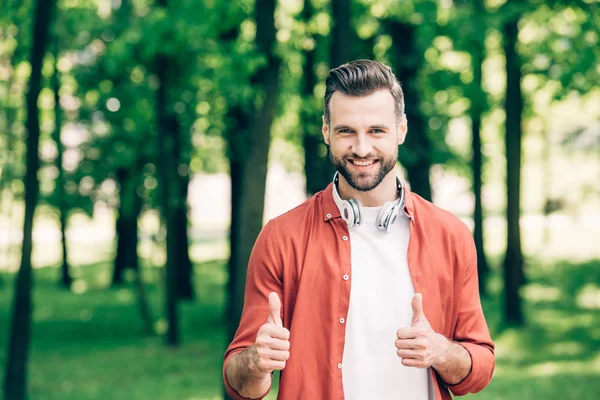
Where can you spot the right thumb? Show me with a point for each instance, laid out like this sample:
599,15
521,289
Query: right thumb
274,309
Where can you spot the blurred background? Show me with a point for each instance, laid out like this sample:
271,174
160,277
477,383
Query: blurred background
144,144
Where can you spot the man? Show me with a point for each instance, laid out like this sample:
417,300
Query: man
365,291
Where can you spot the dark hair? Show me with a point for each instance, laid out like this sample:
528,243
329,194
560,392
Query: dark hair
362,78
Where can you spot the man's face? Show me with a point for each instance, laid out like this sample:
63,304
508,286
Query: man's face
363,137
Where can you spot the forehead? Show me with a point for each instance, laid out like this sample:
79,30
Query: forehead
376,107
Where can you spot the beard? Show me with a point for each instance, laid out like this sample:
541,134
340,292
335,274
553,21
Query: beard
368,180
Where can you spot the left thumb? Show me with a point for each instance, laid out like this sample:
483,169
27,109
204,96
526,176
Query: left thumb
417,307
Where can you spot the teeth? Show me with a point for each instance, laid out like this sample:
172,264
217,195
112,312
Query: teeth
363,163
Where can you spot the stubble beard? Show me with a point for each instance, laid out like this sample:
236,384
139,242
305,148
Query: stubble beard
364,181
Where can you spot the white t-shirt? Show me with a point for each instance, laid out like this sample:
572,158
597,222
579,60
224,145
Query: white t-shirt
380,303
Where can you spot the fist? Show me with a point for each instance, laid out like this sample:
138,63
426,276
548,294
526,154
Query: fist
419,345
272,345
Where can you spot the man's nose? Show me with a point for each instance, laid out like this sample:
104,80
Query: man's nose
361,146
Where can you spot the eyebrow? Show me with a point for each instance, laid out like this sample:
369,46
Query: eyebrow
338,127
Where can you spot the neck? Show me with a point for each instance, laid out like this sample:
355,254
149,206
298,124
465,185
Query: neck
386,191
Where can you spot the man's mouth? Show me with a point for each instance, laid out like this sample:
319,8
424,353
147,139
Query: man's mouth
363,163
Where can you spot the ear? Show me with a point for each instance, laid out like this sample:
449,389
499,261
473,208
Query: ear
325,131
402,129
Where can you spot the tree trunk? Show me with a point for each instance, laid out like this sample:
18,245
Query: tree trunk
130,205
253,164
15,380
128,179
168,129
415,153
547,182
185,270
477,58
318,170
342,35
513,261
65,277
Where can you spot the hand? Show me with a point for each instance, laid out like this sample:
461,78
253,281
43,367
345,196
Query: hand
271,348
420,346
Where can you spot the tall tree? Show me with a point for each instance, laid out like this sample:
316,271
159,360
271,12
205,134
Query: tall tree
252,163
185,271
318,170
15,380
472,34
168,132
128,176
130,206
65,277
478,101
407,60
513,261
342,34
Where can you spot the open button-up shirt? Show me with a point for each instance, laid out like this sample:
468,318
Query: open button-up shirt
304,256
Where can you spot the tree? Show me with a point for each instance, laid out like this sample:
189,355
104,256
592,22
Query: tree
318,170
513,261
477,106
407,60
15,381
249,168
168,132
471,34
65,277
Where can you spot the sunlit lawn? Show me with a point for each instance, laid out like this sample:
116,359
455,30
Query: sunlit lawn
90,345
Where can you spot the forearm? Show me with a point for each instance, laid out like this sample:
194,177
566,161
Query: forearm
243,377
454,364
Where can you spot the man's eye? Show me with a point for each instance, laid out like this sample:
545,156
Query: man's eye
345,131
377,131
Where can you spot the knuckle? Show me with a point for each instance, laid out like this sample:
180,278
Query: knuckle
260,365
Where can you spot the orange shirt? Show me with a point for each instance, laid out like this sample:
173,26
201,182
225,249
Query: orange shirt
304,256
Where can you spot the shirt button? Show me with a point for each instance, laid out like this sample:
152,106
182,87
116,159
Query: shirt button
328,215
342,320
345,237
340,366
346,277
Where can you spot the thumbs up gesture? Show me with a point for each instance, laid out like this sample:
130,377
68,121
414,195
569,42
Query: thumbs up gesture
271,349
419,345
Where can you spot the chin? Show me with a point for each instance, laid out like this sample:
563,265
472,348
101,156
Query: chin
364,182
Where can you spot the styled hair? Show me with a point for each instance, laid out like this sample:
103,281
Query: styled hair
362,78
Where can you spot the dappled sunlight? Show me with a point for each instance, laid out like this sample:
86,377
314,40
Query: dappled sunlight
589,297
205,251
535,292
79,286
558,367
566,348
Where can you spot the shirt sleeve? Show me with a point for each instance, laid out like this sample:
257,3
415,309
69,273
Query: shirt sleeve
264,276
471,328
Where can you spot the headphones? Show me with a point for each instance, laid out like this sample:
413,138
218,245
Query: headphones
351,209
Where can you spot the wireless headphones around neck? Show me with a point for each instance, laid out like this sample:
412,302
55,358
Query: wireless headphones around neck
351,209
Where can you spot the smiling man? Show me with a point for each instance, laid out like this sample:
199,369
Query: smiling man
366,290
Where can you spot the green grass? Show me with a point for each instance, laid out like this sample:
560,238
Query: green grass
90,345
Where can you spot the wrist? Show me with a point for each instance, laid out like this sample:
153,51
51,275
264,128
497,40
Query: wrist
441,360
251,362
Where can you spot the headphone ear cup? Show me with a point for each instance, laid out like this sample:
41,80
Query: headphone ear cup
357,212
351,212
386,217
